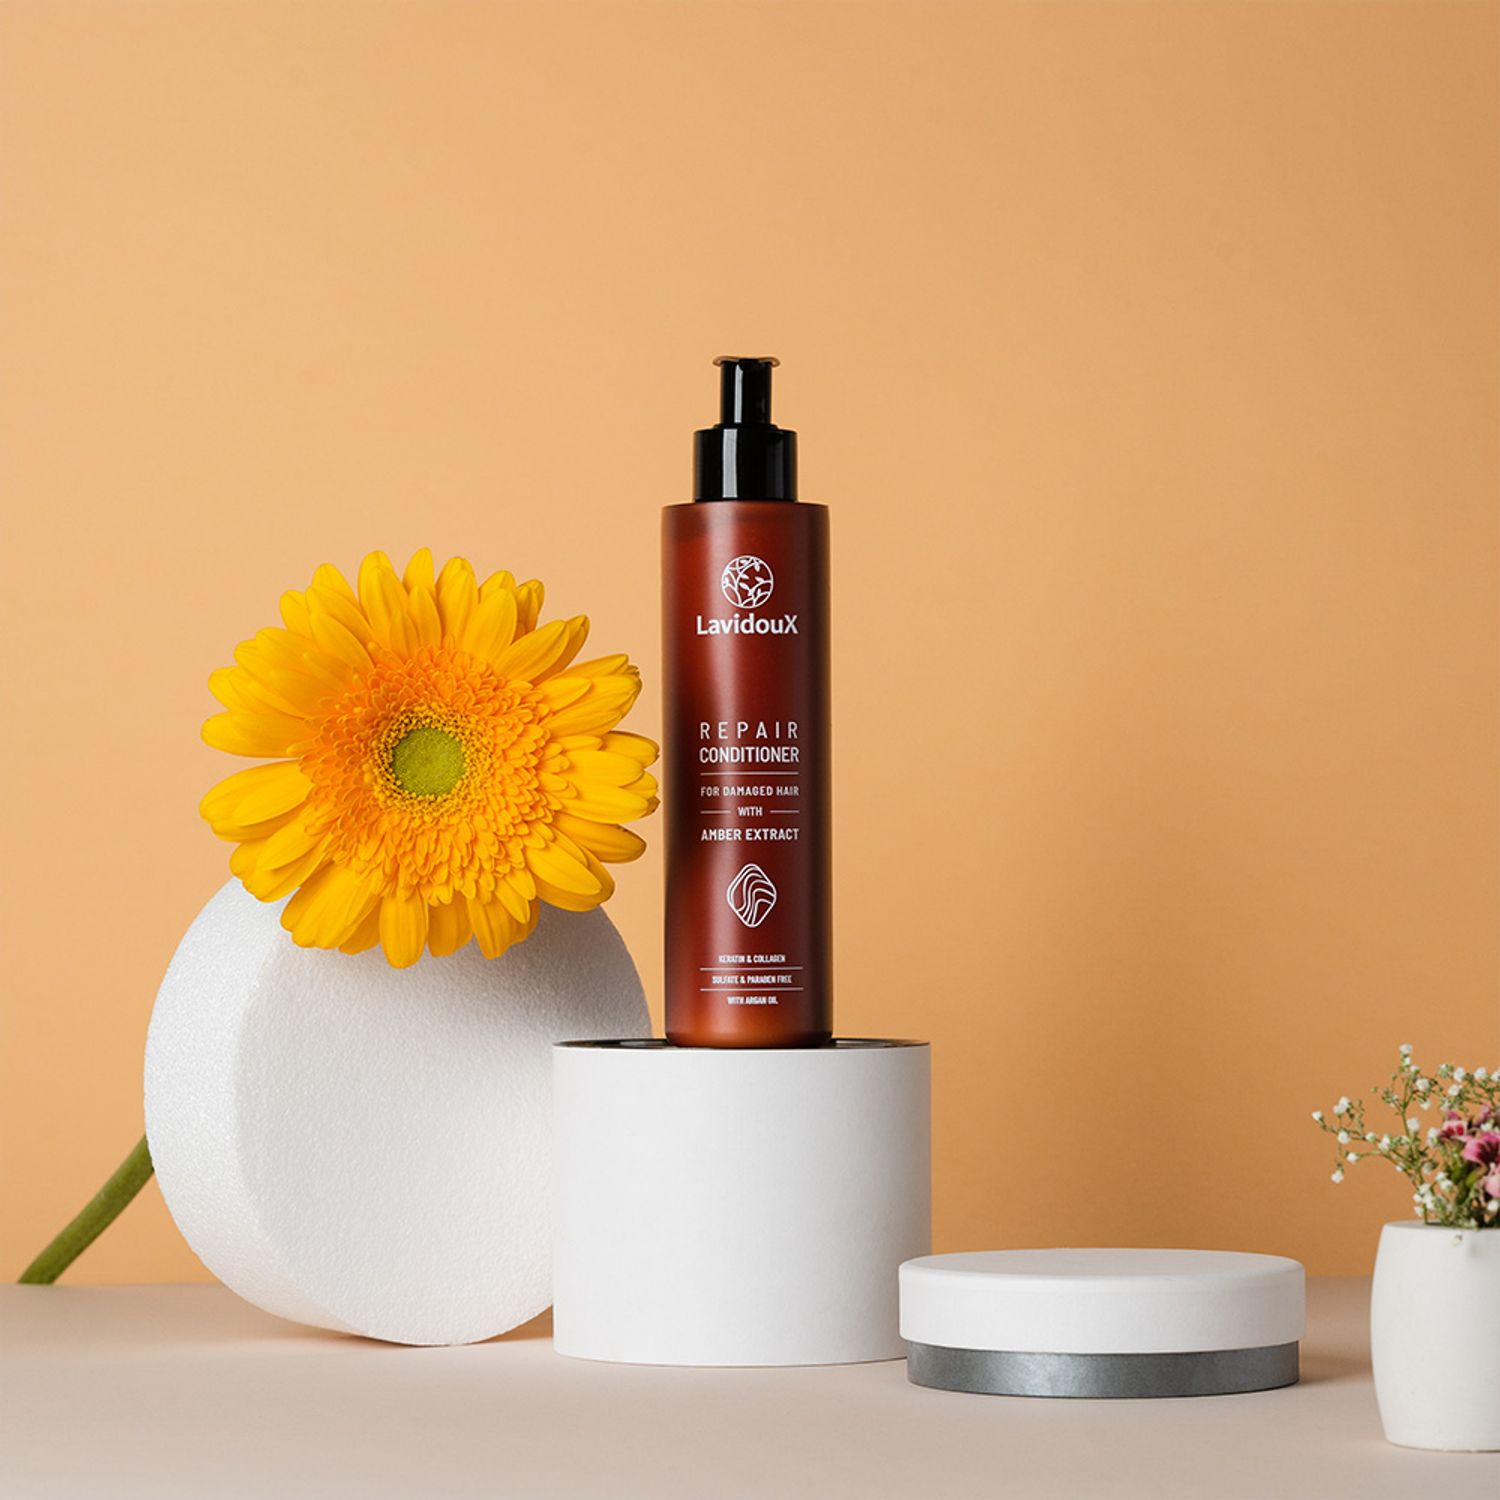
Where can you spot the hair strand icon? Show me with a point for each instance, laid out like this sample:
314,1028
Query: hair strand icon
751,895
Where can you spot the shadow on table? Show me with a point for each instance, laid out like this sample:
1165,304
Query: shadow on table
63,1320
1332,1364
1336,1345
540,1327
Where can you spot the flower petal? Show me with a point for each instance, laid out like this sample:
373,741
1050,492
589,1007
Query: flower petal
403,929
529,596
494,927
554,868
605,766
603,840
601,666
383,600
608,700
637,746
294,612
365,936
561,692
533,657
419,574
272,884
571,901
568,901
326,576
504,581
645,786
338,640
424,619
457,596
448,927
234,687
607,804
242,861
327,910
288,652
288,845
341,606
491,627
255,734
256,794
512,900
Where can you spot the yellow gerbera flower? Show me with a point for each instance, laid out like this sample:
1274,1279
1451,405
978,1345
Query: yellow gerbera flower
439,763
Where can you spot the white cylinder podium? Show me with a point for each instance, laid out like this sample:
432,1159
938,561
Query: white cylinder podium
737,1207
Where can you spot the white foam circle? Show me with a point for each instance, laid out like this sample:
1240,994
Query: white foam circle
366,1148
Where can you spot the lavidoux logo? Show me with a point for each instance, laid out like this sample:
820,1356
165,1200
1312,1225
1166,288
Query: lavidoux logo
747,582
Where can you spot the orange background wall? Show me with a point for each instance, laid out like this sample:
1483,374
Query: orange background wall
1147,354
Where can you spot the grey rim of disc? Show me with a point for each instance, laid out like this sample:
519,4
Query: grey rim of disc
1008,1372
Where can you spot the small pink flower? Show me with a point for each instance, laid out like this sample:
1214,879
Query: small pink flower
1485,1115
1484,1149
1492,1183
1454,1125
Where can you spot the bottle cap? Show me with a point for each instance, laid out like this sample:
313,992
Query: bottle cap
745,456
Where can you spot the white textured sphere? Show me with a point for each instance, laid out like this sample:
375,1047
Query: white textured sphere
366,1148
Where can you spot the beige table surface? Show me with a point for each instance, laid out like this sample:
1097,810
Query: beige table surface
109,1393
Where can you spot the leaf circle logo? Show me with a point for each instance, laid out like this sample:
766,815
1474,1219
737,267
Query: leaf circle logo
747,582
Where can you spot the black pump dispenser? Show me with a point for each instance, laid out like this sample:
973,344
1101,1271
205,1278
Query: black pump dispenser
745,457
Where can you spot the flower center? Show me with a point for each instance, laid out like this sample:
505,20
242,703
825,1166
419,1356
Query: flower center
427,762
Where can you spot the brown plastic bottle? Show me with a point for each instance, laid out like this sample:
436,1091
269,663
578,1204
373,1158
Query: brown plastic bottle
746,762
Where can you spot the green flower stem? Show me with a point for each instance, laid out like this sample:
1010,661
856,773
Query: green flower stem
96,1216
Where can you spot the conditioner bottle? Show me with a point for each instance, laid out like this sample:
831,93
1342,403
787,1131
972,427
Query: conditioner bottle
745,640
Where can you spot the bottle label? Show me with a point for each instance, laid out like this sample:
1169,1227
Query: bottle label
747,766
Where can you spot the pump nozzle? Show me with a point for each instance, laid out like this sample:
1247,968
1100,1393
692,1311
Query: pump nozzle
745,457
745,388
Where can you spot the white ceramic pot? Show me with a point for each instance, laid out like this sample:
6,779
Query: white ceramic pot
1435,1336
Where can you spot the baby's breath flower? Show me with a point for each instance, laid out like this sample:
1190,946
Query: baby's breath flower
1449,1166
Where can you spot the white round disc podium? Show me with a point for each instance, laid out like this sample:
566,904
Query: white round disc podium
737,1207
1103,1323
